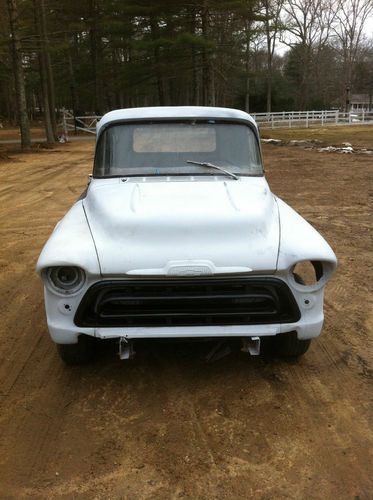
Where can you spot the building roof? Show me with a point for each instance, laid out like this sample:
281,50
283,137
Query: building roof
172,112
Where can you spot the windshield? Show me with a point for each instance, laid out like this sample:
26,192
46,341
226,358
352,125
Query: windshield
175,148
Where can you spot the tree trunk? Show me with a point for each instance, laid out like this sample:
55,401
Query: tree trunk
49,133
247,68
157,62
207,69
46,105
304,84
48,67
195,79
247,95
269,91
74,98
9,102
95,45
19,75
269,61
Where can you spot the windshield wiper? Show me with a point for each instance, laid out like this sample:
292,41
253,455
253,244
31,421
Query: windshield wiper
210,165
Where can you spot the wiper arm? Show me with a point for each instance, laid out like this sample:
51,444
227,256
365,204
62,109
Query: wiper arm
210,165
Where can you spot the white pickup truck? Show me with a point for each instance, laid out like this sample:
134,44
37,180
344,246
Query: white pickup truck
178,235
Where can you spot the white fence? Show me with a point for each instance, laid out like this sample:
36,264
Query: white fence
78,123
288,119
307,119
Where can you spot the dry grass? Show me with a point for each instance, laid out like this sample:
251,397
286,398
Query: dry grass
357,135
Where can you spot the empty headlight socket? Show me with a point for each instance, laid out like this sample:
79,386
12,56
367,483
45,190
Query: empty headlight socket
307,272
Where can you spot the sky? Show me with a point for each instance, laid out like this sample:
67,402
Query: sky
369,27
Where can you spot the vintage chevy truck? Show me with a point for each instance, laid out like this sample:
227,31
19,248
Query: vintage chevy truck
178,235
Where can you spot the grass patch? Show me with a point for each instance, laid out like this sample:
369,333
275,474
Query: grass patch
357,135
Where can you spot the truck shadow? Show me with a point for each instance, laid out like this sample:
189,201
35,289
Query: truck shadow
185,361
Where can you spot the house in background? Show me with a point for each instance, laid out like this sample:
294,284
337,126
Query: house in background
361,102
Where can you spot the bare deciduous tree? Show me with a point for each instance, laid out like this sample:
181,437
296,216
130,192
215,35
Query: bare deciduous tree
308,25
351,16
272,25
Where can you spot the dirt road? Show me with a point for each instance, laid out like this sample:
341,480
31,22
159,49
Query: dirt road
168,425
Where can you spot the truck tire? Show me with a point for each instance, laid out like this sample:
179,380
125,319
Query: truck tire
288,345
77,354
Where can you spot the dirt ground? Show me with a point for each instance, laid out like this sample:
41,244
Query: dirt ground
168,425
13,133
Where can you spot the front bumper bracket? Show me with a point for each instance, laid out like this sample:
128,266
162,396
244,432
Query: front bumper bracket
126,350
251,345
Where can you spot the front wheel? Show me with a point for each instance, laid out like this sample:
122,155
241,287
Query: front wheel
286,345
78,354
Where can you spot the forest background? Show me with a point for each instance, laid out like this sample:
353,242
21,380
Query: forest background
258,55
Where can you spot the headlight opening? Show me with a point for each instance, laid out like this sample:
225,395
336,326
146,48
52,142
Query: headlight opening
65,279
308,272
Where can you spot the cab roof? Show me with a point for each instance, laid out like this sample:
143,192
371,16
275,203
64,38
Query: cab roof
173,112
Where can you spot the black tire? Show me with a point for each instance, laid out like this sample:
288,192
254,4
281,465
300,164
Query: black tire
77,354
286,345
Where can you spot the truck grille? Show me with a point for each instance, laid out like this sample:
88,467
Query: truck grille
187,302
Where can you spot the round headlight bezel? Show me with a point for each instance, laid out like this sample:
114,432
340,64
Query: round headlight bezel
322,269
65,280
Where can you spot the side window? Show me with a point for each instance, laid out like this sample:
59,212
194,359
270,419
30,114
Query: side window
98,169
107,140
103,155
253,148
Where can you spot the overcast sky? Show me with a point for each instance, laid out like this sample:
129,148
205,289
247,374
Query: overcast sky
369,27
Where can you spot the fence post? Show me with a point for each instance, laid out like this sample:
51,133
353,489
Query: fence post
307,119
363,115
322,118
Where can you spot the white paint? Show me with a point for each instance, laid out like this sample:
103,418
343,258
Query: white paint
148,225
171,112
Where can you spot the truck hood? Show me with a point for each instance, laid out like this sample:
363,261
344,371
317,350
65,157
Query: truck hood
183,226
